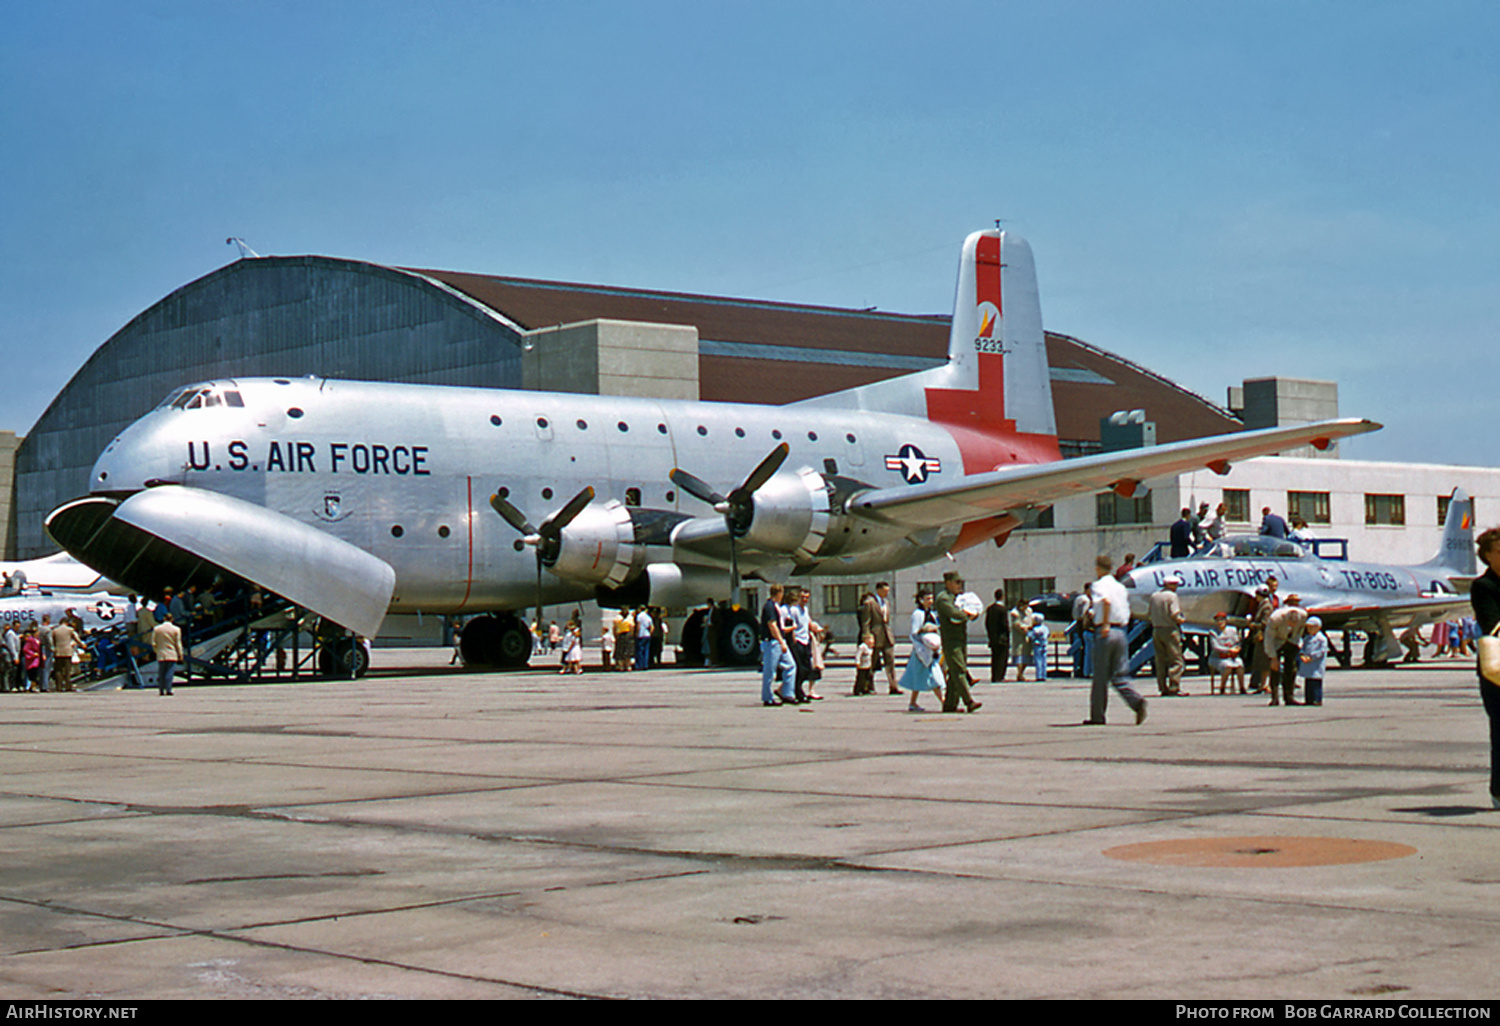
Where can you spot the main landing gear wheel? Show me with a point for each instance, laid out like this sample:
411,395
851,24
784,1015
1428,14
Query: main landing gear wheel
344,659
496,639
739,639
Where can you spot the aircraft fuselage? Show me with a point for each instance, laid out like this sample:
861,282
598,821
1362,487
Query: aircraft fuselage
405,472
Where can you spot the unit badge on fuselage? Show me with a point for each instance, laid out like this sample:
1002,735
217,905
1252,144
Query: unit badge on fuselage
332,510
914,464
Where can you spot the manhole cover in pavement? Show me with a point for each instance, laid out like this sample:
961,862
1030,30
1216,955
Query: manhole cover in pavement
1266,852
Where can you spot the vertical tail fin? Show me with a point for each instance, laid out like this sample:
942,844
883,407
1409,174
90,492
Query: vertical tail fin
1456,554
997,377
996,380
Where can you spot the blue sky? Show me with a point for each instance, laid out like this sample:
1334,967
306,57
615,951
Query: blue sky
1215,190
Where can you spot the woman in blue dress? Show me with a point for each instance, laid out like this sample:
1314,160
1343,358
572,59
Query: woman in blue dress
923,672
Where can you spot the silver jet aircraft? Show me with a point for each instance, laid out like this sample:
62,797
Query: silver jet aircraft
96,610
354,498
57,572
1372,597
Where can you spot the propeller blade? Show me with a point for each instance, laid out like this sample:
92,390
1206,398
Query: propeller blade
552,527
763,473
512,516
696,487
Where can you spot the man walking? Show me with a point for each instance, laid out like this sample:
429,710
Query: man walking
166,640
1166,636
775,654
953,631
1111,650
875,620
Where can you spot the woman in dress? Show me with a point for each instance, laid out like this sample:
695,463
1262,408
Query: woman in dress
923,673
1484,593
572,640
1224,656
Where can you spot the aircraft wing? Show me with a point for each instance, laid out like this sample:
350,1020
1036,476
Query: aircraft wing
977,496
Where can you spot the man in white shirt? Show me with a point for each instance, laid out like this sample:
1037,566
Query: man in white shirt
1111,650
643,624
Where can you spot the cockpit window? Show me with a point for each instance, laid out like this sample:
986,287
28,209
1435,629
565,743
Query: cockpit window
202,398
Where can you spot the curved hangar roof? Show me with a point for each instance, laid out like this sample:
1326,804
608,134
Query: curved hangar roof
295,316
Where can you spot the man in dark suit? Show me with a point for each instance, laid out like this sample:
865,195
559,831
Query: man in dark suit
875,620
1182,535
997,631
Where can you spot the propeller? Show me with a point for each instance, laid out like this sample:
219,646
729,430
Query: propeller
547,539
737,508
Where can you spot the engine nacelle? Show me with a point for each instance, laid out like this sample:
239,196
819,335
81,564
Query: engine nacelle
667,584
599,547
792,515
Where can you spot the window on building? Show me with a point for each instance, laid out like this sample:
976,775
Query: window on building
1385,509
1042,521
842,598
936,587
1020,589
750,599
1114,510
1443,501
1237,505
1312,507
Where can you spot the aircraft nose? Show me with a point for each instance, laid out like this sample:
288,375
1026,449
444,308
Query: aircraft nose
139,456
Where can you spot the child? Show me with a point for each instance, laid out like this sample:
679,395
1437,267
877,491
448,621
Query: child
1313,661
1038,635
864,665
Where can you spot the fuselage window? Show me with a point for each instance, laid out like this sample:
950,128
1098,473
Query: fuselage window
851,439
702,430
776,435
397,531
812,436
541,422
632,496
661,429
443,531
495,419
546,493
583,425
294,412
739,432
624,427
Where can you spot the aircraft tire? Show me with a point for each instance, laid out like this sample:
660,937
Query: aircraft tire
739,639
336,658
496,640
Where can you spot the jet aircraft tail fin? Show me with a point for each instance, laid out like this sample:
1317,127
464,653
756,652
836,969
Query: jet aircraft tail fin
1456,554
996,380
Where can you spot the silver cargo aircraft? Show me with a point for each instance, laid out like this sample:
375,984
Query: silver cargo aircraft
354,498
1372,597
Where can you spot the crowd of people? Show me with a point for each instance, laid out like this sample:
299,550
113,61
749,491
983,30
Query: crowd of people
42,656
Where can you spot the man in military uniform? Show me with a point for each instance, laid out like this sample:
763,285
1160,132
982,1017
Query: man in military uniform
953,630
1166,636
